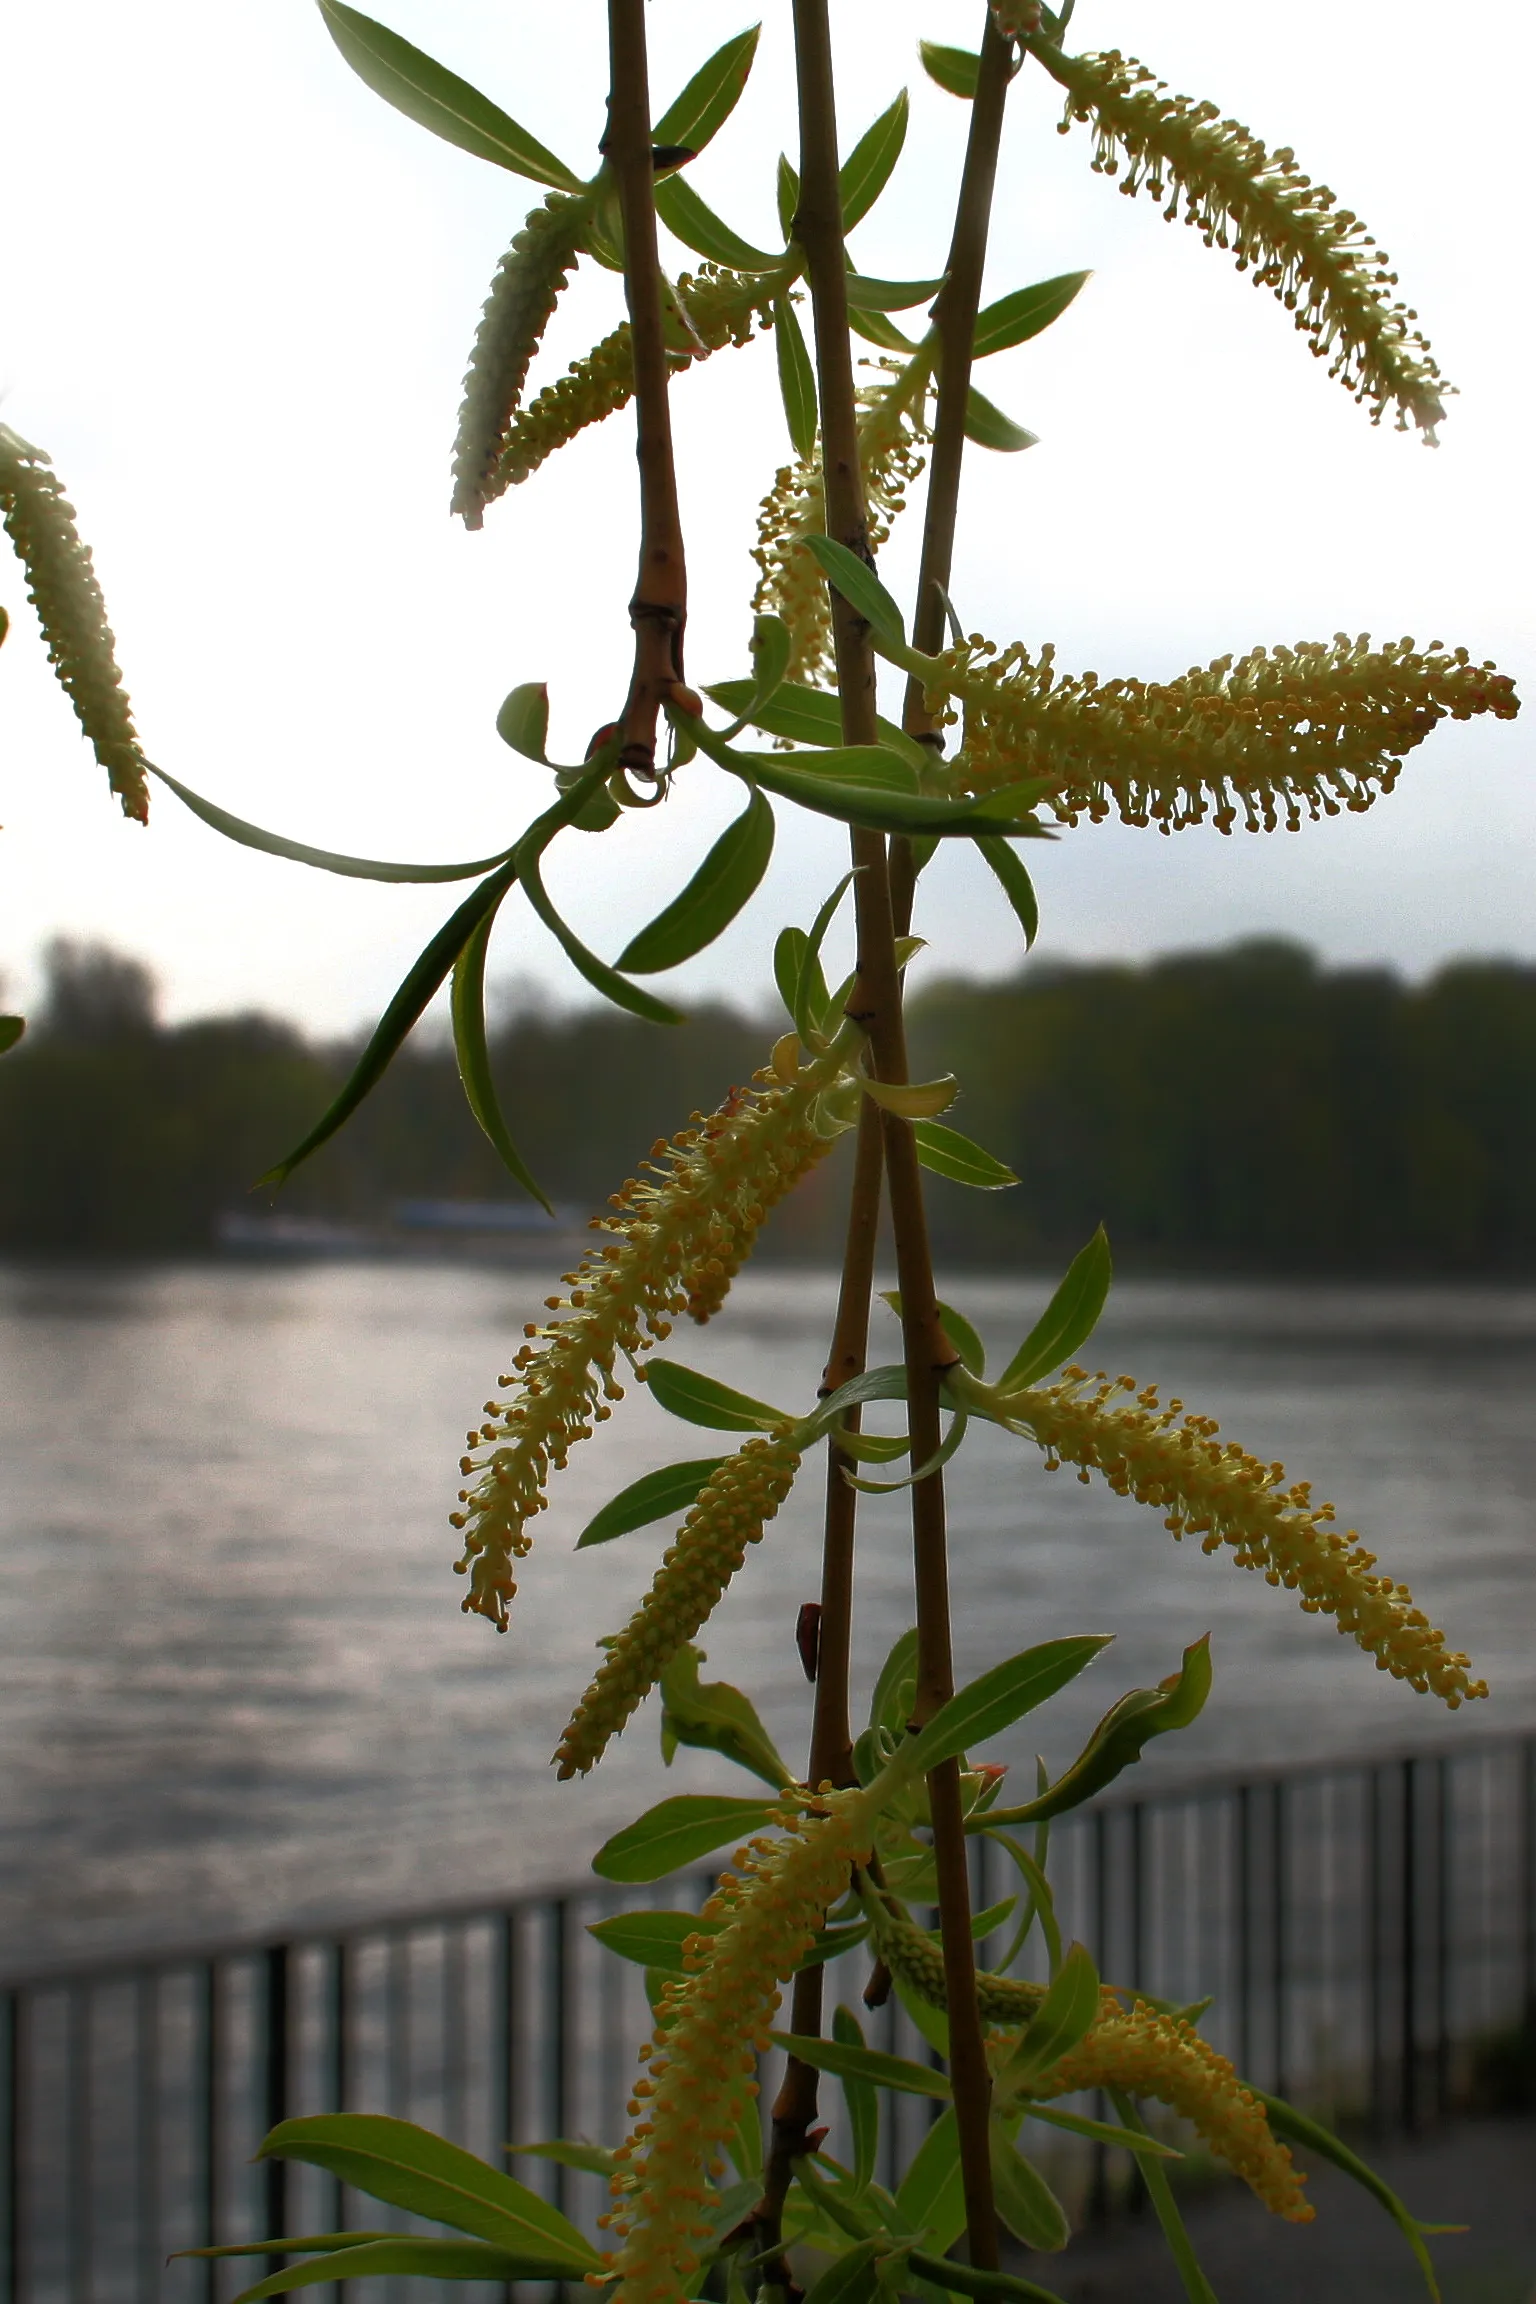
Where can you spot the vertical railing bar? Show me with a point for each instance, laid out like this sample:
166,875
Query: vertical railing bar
1137,1820
79,2168
1243,1856
1409,1981
1528,1883
277,1967
559,2027
397,2021
1098,2194
1376,1949
210,2031
455,2072
502,2050
1444,1822
146,2018
1279,1945
14,2162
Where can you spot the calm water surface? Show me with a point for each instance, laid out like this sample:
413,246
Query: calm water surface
237,1691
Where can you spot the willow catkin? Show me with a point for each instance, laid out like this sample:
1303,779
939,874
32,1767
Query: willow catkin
913,1955
523,294
1159,2056
1266,738
733,1509
712,2024
674,1245
1218,1492
1289,232
62,586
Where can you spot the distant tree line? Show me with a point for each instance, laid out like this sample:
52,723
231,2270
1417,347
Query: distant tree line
1235,1110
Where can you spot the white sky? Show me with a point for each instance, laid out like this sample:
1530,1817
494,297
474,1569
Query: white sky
236,296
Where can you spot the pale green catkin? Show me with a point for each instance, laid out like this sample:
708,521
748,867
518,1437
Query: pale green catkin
523,294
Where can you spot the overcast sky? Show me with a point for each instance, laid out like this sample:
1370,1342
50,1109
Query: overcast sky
238,293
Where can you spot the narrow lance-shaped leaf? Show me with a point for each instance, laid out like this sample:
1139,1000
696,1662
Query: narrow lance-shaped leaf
403,1012
1197,2288
695,223
700,1399
949,1154
955,70
994,1700
712,1716
396,2257
859,2096
1285,2120
812,1000
860,587
322,859
1067,1321
786,194
655,1496
1070,2006
427,92
1014,881
854,2061
676,1833
867,295
711,96
598,974
725,881
797,380
990,428
772,646
1027,312
867,169
1117,1742
467,1006
1025,2201
987,2287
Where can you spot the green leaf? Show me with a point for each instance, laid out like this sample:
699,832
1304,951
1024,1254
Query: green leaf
435,2259
1015,881
930,2197
725,881
394,2160
999,1697
598,974
950,1154
1180,2247
678,1832
322,859
930,2023
806,716
966,2280
1025,2201
438,99
403,1011
594,2159
1042,1905
1098,2131
866,171
860,2098
523,721
789,952
292,2245
1287,2121
772,646
797,379
467,1002
1027,312
710,97
954,69
877,804
889,1383
860,587
1116,1744
890,1706
859,764
990,428
852,2278
876,329
1067,1321
811,996
11,1030
787,195
659,1495
698,227
712,1716
868,2064
868,295
699,1399
1070,2006
652,1939
973,1353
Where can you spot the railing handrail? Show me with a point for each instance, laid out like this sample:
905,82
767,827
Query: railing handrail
121,1967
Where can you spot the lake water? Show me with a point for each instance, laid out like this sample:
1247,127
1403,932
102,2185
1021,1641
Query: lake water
237,1691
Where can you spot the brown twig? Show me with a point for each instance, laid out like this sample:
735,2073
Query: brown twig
659,608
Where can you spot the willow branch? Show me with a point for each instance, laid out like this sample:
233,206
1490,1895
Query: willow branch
876,1001
659,608
954,317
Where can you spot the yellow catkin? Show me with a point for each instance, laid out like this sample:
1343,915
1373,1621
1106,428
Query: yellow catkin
913,1955
1264,739
1289,232
722,309
733,1509
711,2027
1163,2057
892,426
62,586
1215,1490
674,1245
523,294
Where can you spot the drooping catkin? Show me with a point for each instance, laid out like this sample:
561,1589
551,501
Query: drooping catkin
892,430
1163,2057
712,2025
1289,232
722,308
914,1956
1267,738
732,1511
675,1245
62,586
523,294
1218,1492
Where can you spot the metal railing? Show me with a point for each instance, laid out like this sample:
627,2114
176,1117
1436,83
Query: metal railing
1369,1933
